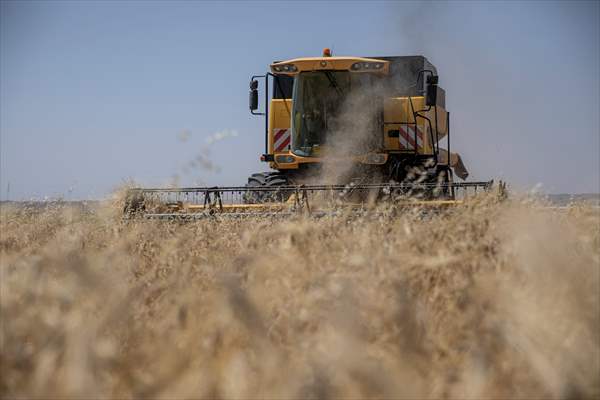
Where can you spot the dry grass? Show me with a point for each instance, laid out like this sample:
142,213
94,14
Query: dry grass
490,301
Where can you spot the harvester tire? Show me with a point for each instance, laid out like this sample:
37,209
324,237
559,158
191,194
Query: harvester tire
269,180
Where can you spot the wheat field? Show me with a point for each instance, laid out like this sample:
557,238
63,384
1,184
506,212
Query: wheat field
489,300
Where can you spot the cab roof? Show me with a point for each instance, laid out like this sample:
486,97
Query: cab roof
328,63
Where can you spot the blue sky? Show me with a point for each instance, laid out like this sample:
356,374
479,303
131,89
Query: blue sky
96,93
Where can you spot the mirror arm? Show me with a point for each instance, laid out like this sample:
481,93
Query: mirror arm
266,113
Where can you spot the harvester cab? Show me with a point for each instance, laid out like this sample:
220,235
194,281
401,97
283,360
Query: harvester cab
345,131
379,111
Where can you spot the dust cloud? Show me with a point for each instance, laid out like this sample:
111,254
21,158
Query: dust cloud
353,132
520,84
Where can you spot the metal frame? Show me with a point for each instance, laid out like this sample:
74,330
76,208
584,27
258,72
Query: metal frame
214,189
266,113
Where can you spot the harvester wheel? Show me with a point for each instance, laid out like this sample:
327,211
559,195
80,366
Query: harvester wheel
267,180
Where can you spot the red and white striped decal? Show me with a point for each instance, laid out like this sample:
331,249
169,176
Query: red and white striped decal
407,137
281,139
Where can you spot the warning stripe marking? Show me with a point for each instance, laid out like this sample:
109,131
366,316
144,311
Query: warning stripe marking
419,135
407,138
284,144
281,139
278,134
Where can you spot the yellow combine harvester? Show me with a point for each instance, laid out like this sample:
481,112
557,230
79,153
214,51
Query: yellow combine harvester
340,133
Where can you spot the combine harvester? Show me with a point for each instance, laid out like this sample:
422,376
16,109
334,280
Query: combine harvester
376,122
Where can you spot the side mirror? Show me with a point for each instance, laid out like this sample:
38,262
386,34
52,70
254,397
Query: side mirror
431,90
253,100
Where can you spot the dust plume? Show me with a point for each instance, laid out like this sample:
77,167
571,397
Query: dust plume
354,131
507,67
